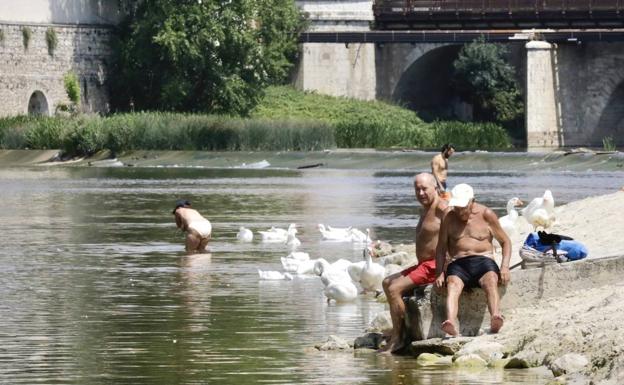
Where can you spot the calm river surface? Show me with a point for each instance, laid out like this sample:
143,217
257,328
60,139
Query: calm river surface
95,288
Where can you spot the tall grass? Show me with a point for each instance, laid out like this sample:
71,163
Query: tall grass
608,144
84,135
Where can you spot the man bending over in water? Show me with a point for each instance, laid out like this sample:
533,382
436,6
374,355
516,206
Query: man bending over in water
427,231
466,235
198,228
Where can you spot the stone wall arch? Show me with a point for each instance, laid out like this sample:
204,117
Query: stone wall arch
38,104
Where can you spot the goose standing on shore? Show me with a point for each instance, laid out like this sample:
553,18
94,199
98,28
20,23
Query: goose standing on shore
508,222
541,211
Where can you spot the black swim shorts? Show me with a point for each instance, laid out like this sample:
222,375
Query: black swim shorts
470,269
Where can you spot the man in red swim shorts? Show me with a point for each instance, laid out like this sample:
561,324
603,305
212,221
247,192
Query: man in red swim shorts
427,230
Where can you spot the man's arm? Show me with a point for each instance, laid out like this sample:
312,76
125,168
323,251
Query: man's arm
441,249
178,220
502,238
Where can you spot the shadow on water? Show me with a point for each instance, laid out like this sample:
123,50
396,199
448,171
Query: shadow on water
95,287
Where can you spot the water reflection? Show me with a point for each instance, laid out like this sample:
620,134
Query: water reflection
95,286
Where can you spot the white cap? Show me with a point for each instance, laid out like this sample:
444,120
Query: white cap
461,195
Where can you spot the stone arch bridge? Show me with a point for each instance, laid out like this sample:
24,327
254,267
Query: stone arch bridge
574,88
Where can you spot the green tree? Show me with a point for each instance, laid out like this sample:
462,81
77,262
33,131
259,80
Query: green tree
485,79
203,55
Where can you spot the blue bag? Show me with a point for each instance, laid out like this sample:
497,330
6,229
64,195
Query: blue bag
567,248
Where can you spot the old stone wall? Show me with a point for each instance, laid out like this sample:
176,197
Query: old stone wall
34,74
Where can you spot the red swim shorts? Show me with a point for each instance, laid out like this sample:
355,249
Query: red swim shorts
421,274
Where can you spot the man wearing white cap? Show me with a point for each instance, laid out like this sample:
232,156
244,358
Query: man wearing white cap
466,235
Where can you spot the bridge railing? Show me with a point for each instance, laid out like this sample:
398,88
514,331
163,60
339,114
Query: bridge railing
484,7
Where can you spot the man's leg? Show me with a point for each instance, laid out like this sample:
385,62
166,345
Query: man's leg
203,244
394,286
489,284
454,287
192,242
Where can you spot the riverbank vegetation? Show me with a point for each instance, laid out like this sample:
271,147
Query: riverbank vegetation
285,119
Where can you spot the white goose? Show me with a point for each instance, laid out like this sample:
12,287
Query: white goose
341,291
373,273
273,275
359,237
334,233
541,211
275,234
244,235
291,239
332,273
508,222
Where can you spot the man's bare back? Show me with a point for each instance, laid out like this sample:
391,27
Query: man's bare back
439,168
198,229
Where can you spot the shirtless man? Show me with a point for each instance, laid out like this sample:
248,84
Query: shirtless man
466,235
427,231
198,228
439,165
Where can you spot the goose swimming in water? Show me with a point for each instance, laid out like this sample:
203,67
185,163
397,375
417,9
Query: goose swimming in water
273,275
275,234
335,234
244,235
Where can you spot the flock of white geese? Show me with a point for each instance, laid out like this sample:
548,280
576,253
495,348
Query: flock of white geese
344,280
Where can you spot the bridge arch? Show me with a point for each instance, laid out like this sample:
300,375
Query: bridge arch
38,104
426,86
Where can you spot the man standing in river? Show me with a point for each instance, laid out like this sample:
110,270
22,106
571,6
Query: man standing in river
427,230
466,235
439,165
198,229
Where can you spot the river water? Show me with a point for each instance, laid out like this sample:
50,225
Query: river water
95,287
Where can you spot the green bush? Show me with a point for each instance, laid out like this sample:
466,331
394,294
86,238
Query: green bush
72,87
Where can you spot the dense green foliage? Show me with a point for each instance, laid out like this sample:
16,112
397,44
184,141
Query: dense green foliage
485,79
203,55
